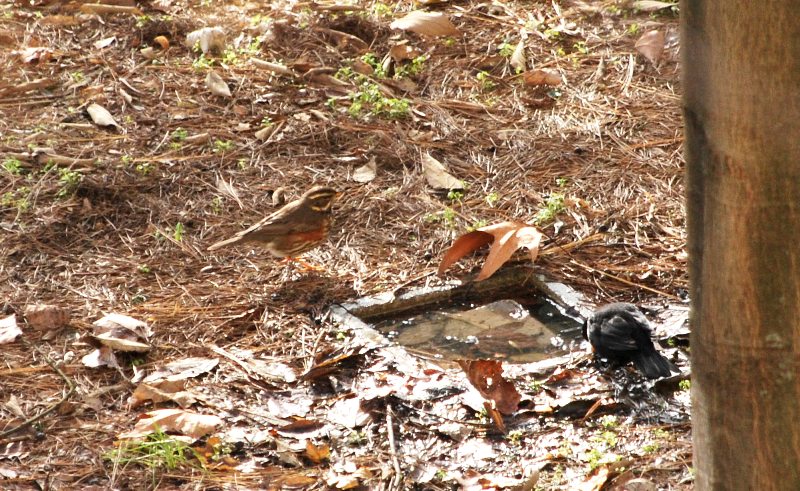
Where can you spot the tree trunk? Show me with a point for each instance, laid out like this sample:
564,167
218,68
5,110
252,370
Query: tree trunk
741,69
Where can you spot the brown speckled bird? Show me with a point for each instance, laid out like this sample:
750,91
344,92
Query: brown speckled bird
297,227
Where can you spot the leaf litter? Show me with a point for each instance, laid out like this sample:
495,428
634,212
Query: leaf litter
119,220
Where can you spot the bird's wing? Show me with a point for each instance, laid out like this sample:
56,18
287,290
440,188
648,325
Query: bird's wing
617,333
634,315
275,222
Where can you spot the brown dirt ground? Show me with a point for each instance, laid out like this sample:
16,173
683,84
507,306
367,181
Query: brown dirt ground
89,221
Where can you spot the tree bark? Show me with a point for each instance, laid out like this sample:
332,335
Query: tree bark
741,72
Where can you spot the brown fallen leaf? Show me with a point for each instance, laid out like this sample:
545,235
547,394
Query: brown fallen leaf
317,454
122,333
437,176
426,24
402,51
496,416
652,5
487,377
505,237
594,481
651,46
541,77
189,423
44,316
164,390
366,172
517,60
100,115
216,85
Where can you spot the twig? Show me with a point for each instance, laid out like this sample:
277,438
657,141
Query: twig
50,409
398,476
627,282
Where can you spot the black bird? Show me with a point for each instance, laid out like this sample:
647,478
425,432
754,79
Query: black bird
620,333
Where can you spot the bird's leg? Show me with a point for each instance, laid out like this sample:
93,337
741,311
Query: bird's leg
304,265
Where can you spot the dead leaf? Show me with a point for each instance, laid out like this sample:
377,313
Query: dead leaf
122,333
496,416
348,413
487,377
437,176
34,54
301,426
100,115
651,46
426,24
652,5
505,237
541,77
188,423
324,366
366,172
9,330
402,51
43,316
317,454
164,390
517,59
101,357
229,189
183,369
60,20
104,43
594,481
347,476
162,41
216,85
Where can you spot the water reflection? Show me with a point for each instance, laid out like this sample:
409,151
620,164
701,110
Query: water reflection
504,330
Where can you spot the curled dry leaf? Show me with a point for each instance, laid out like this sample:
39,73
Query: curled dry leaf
160,392
34,54
652,5
148,53
101,357
426,24
100,115
541,77
366,172
594,481
505,237
437,176
402,52
122,333
216,85
229,189
487,378
161,41
43,316
517,59
183,369
188,423
651,46
9,330
104,43
317,453
209,39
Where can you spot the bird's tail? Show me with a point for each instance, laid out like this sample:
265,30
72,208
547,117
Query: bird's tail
233,240
653,365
